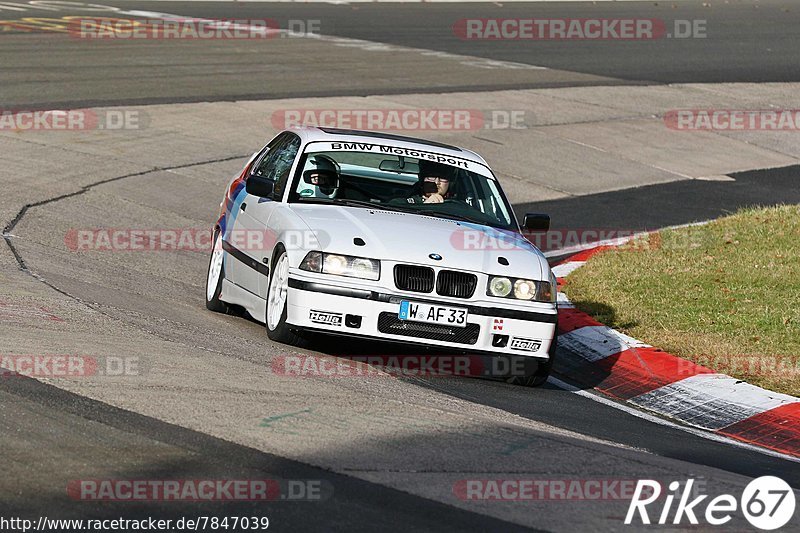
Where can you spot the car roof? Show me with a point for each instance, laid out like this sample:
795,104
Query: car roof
312,134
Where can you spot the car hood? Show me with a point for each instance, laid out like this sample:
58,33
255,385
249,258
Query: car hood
413,238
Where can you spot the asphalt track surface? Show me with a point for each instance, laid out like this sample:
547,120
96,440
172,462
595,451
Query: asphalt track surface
651,207
54,434
746,40
355,505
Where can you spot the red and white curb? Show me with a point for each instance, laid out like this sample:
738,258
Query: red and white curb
627,369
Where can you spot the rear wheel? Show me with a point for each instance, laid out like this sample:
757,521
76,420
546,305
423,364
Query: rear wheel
216,273
278,300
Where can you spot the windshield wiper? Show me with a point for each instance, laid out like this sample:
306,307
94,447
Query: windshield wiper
385,207
340,201
371,205
451,216
355,203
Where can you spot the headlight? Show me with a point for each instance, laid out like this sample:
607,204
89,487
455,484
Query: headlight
342,265
521,289
365,267
499,287
524,289
334,264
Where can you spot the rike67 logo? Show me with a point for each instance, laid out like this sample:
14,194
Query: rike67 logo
767,503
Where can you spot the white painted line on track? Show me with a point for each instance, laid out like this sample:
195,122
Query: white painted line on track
360,44
470,61
658,420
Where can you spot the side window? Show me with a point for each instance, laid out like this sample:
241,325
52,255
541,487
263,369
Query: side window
261,164
284,165
277,162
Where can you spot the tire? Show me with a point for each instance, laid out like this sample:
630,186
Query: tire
536,377
278,300
214,277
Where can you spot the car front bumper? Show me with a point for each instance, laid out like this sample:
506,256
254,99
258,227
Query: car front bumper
320,305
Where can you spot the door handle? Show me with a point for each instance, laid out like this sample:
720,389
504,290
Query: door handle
243,207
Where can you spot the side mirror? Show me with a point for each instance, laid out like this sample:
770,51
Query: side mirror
536,222
259,186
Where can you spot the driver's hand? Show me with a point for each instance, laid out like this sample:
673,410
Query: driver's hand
434,198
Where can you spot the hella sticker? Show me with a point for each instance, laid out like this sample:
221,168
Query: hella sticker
525,345
323,317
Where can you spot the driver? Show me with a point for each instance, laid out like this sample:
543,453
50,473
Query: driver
324,174
434,182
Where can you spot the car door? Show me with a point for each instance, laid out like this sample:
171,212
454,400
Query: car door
251,226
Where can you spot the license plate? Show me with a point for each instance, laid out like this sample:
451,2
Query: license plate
433,314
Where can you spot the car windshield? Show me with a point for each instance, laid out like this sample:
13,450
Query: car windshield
426,184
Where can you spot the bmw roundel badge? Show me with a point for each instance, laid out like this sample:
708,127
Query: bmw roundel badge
435,257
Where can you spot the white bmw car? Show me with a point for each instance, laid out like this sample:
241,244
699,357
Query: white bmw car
387,238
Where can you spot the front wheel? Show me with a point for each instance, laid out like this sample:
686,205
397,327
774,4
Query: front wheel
216,273
278,300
